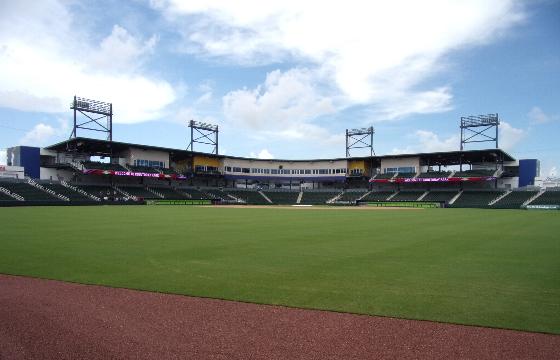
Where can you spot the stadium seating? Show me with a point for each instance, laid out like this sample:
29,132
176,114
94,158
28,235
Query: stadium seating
407,195
317,197
474,173
378,196
435,174
384,176
406,175
139,192
63,190
282,197
514,199
103,166
144,169
193,193
249,196
171,194
351,195
549,197
101,191
437,195
167,171
216,194
476,199
5,197
29,192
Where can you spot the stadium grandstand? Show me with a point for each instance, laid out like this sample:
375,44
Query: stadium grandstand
94,171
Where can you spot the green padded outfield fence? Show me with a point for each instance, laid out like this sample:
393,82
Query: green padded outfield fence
410,204
179,202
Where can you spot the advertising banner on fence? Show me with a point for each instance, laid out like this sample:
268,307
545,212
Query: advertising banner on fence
437,179
134,173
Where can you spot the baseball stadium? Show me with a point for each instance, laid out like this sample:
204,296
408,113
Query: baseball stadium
124,250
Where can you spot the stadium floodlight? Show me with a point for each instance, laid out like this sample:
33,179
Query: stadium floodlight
203,133
359,139
98,116
478,128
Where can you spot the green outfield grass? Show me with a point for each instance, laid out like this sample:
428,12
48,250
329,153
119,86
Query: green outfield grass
498,268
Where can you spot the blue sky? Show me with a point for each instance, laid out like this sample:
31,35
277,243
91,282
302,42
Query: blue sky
284,79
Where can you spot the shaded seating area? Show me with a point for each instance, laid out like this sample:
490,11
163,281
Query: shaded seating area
474,173
194,194
476,199
407,195
351,195
407,175
385,176
63,190
170,194
28,192
5,197
103,166
317,197
144,169
216,194
440,195
514,199
249,196
139,192
282,197
549,197
101,191
378,196
434,174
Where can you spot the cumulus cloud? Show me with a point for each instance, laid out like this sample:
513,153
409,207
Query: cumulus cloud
42,133
263,154
283,106
43,63
510,136
428,141
538,116
376,53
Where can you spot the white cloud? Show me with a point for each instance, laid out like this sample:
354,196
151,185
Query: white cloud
42,133
553,172
3,155
44,62
376,53
283,106
509,135
263,154
427,141
538,116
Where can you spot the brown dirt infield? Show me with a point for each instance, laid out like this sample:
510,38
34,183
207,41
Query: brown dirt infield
45,319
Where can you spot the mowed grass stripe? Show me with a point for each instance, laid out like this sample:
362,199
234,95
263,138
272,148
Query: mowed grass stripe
498,268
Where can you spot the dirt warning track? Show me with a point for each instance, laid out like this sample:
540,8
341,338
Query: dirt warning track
45,319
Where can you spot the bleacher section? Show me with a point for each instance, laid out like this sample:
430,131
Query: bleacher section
282,197
384,176
170,194
549,197
139,192
407,195
63,190
216,194
249,196
144,169
101,191
378,196
514,199
5,197
317,197
435,174
406,175
436,195
167,171
28,192
476,199
103,166
351,195
474,173
193,193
